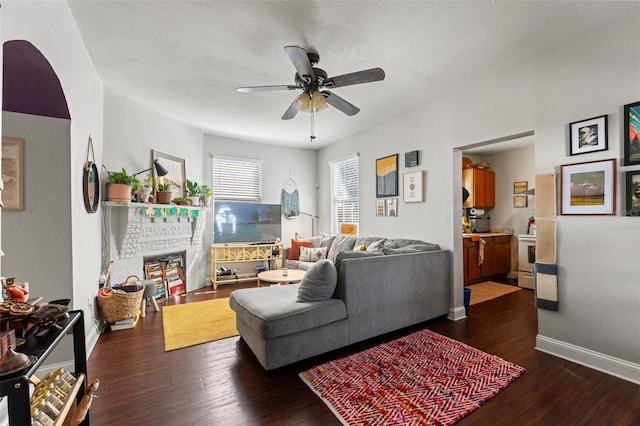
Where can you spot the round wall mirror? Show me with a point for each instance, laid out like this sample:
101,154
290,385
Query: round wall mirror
91,187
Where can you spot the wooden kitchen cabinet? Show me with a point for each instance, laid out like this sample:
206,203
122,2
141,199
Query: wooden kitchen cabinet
481,185
497,258
502,254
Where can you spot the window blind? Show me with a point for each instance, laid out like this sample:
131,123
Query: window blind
345,192
237,179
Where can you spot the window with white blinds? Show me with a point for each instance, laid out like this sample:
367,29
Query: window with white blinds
237,179
345,192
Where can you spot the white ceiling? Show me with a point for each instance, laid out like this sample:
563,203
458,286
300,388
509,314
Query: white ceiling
186,58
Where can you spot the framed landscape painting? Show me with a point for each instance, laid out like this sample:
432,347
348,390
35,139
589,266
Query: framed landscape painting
588,135
631,142
588,188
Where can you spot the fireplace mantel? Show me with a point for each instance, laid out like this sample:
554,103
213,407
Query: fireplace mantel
134,231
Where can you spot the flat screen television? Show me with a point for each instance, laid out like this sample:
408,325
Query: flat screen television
242,222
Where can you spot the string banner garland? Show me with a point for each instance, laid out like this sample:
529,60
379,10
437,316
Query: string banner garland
169,211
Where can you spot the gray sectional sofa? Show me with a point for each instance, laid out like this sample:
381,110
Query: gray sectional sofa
396,284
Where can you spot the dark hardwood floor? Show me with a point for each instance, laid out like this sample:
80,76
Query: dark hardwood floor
221,383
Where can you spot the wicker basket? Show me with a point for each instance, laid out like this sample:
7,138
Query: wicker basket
120,305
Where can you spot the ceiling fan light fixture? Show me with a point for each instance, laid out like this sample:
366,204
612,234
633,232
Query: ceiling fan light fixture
318,101
303,102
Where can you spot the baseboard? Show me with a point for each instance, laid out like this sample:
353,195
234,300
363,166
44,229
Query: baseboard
607,364
456,314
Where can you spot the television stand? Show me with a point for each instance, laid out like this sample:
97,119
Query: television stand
269,254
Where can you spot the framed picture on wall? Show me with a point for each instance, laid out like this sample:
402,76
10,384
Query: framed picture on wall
631,138
176,176
12,174
520,201
391,207
588,188
387,176
380,208
520,187
413,188
632,207
588,135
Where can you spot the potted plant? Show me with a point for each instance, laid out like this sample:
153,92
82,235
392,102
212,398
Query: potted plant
205,195
182,201
192,190
164,193
120,186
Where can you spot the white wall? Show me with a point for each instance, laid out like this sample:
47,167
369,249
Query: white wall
279,163
512,166
47,201
598,257
132,130
50,27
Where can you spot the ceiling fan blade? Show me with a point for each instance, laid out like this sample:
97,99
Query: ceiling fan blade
301,61
340,104
358,77
291,111
265,88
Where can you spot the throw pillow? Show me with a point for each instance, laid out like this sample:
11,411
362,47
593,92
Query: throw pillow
305,254
341,243
318,283
312,254
294,253
318,253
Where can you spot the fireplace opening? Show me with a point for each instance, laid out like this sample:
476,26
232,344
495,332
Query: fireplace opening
168,272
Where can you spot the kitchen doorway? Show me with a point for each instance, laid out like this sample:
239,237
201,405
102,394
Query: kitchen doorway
512,161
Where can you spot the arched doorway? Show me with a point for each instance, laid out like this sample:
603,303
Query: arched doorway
37,239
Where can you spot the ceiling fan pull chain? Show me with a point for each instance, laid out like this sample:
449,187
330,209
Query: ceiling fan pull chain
313,114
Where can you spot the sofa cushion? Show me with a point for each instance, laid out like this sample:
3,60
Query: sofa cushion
327,240
400,242
318,283
341,243
355,255
294,253
377,245
273,311
366,241
412,248
298,264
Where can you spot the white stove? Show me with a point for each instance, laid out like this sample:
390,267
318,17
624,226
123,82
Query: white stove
526,260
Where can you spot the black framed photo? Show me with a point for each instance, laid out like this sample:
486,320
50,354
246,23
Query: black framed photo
632,207
631,119
387,176
588,135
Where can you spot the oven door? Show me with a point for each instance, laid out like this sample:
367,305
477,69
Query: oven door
526,260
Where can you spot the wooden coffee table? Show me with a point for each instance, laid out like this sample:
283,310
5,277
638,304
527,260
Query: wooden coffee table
275,276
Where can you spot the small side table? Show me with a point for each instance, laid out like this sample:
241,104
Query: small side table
275,276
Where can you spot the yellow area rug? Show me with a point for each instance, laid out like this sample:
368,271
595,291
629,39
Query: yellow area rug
190,324
489,290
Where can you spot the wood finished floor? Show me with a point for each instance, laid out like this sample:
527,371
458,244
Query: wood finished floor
221,383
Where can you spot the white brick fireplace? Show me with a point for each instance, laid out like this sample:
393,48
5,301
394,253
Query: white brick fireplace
135,231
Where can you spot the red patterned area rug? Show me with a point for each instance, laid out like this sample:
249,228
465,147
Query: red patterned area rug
423,378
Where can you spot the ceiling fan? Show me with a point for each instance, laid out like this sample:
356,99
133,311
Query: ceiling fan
313,82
